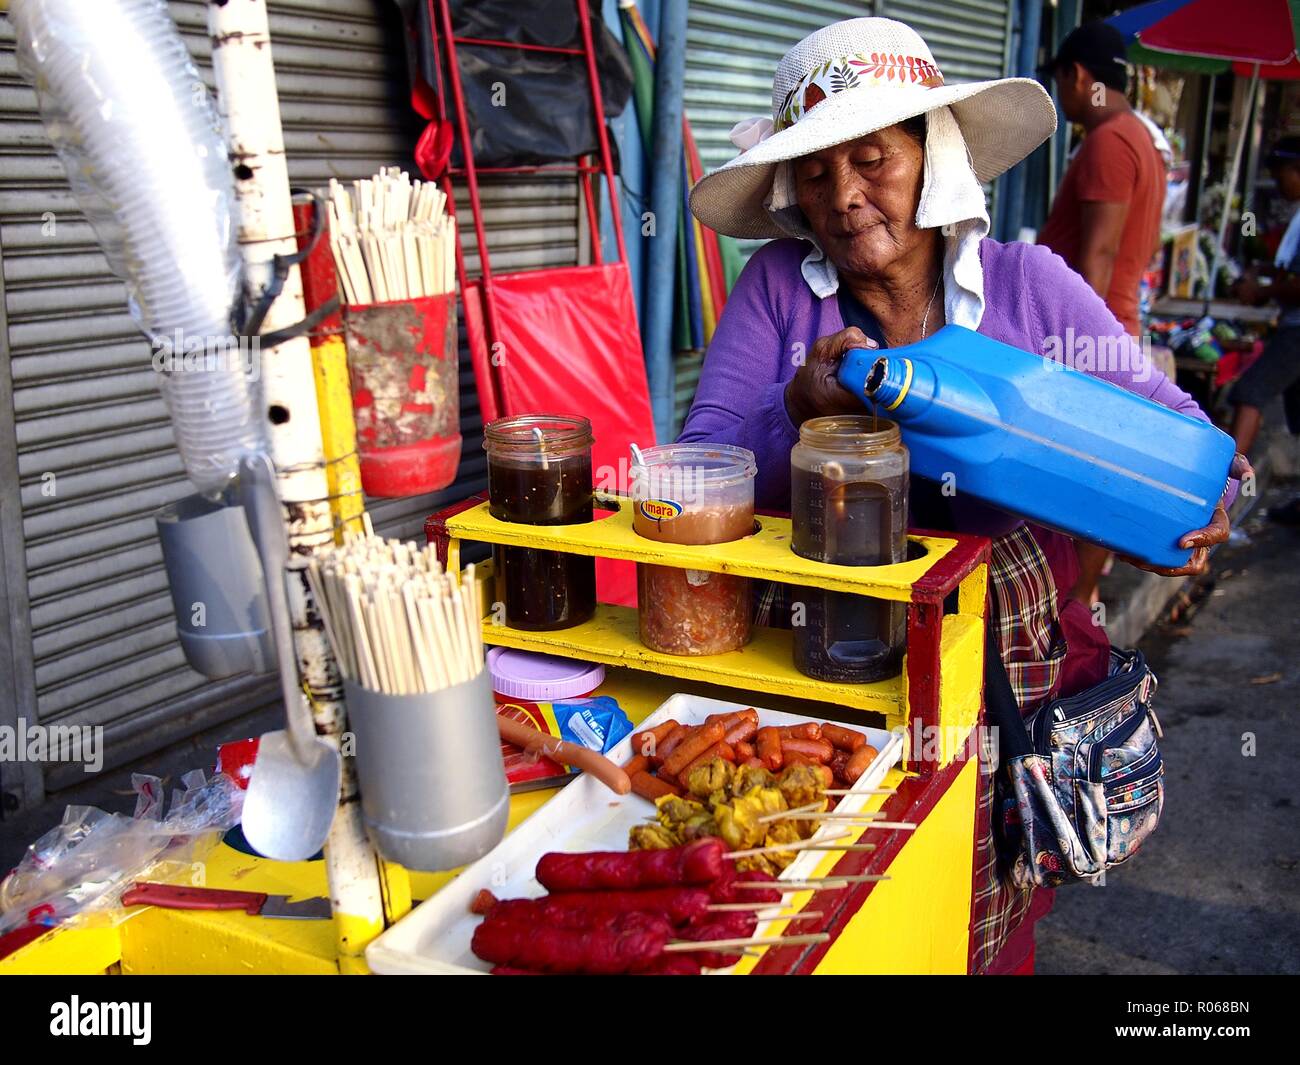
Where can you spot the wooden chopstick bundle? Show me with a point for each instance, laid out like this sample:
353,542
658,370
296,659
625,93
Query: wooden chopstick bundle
392,238
396,622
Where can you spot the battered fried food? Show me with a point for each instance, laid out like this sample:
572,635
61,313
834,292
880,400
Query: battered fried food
714,775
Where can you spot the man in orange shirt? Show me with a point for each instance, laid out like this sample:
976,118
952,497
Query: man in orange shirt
1105,220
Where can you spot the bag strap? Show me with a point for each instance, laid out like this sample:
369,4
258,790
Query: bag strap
1000,708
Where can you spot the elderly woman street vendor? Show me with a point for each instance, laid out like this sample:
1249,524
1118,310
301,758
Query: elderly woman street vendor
870,168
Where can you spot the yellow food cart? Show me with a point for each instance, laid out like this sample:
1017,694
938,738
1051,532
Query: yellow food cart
915,918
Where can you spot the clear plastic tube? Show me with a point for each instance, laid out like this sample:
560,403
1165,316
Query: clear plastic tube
130,117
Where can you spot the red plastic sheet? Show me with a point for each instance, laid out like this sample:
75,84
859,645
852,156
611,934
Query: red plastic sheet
567,343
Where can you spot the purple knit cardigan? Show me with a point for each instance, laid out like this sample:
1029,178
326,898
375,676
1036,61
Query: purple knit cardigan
771,317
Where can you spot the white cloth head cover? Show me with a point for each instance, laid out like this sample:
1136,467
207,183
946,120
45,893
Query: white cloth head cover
951,197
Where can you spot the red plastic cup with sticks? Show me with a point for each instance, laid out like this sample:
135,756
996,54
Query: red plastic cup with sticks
403,367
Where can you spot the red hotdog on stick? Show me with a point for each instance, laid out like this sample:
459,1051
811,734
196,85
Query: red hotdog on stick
698,862
545,912
601,952
734,925
675,905
724,888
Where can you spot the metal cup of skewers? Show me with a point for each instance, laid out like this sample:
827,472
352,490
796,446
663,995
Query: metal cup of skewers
408,641
433,789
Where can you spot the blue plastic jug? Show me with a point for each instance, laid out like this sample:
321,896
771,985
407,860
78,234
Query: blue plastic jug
1047,442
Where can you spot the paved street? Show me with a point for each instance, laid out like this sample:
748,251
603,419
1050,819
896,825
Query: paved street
1217,889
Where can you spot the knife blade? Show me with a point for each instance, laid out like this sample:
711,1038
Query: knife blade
255,903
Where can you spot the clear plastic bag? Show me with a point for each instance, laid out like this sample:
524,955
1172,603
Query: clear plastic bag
85,863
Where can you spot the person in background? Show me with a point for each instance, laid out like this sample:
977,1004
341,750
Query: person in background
1277,371
1105,219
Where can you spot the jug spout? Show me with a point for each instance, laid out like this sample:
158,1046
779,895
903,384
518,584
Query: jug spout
920,395
888,382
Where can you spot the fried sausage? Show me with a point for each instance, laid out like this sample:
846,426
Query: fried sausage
652,788
818,749
744,750
721,749
741,732
768,741
858,762
637,764
647,743
669,743
729,721
838,761
810,731
692,747
583,758
846,739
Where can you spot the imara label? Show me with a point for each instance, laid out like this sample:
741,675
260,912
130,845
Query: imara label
660,509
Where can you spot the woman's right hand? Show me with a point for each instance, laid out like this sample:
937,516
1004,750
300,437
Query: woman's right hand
814,390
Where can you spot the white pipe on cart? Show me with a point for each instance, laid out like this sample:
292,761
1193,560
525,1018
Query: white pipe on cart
249,104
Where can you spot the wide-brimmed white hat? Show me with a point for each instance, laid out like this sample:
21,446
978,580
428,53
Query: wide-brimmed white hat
850,79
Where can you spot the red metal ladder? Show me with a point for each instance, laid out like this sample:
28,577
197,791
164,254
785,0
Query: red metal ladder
445,40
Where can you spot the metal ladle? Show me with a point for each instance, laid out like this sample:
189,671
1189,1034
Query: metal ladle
294,788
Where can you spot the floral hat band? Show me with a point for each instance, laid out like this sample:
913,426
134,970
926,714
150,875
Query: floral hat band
846,80
855,72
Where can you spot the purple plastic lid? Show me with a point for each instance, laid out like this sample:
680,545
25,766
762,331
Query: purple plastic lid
536,678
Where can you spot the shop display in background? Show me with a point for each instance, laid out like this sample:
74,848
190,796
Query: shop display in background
693,494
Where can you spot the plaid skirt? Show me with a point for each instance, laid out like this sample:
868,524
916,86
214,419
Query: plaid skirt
1023,613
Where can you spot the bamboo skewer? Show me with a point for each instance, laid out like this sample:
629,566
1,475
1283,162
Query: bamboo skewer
778,848
817,883
810,813
748,941
863,791
752,907
392,239
396,622
831,815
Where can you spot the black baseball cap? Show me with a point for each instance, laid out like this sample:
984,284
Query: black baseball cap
1098,47
1284,152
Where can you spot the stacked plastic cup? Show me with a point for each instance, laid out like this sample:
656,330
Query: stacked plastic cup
130,117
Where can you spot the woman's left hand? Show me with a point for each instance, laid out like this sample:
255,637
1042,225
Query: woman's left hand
1201,540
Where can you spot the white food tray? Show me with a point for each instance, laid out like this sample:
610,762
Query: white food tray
584,816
